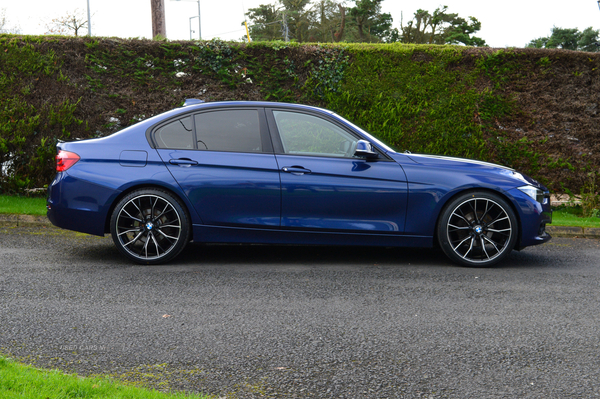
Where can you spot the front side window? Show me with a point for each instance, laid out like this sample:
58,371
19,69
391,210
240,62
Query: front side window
228,130
305,134
176,135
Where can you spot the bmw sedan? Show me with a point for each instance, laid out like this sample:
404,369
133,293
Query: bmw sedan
274,173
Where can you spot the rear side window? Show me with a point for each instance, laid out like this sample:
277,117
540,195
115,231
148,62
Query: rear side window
177,135
231,130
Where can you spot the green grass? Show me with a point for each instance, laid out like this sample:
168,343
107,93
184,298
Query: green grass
571,216
22,205
20,381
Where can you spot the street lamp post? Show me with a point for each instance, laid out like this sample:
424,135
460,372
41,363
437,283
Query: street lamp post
199,20
90,22
197,16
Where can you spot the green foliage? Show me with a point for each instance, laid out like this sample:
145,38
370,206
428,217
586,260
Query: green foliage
569,39
322,21
327,73
421,107
590,197
441,27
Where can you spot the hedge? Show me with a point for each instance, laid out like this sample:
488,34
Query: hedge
533,109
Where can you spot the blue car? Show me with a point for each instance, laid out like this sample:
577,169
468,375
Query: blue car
274,173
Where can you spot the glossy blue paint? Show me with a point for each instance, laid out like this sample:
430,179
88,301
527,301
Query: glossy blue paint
342,194
229,189
272,197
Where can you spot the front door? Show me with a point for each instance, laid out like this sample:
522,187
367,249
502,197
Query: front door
325,187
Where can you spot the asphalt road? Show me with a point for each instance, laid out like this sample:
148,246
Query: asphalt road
264,321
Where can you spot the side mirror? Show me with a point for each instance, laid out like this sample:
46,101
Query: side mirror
364,149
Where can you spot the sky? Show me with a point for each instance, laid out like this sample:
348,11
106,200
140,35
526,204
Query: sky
506,23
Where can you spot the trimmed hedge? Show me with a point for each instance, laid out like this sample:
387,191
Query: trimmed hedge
532,109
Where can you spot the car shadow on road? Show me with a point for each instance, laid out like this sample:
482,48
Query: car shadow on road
196,254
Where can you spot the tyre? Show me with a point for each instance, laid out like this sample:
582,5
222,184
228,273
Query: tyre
478,229
150,226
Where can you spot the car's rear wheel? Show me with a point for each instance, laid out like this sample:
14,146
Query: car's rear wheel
477,229
150,226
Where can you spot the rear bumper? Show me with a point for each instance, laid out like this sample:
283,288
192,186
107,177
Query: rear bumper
77,205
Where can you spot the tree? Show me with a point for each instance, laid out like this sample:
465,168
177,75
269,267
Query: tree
4,24
370,23
569,39
441,27
322,21
266,22
327,22
71,23
298,18
588,41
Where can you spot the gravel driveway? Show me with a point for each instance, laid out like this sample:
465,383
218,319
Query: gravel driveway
266,321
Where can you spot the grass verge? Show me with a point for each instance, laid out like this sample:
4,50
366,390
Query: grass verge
22,205
571,216
20,381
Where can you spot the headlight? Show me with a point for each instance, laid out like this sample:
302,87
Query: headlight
534,193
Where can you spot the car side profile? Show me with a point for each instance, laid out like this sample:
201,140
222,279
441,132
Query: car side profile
275,173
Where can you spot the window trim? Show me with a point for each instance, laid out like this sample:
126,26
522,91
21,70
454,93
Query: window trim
265,137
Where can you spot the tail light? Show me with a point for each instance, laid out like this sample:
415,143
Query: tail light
66,159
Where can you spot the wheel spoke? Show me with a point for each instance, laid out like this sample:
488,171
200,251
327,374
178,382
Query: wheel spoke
470,248
156,245
135,239
129,231
461,243
458,228
131,217
498,231
483,247
491,242
162,226
498,220
167,236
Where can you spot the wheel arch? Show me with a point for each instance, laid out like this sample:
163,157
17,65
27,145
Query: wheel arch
450,198
122,194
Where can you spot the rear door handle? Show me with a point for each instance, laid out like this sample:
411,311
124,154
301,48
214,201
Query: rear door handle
183,162
296,170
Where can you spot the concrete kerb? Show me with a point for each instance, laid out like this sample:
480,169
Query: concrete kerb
24,220
555,231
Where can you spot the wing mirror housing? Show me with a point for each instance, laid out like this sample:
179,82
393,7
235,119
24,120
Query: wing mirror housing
364,149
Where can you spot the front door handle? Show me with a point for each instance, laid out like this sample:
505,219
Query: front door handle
296,170
186,162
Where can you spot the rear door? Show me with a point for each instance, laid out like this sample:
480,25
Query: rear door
224,162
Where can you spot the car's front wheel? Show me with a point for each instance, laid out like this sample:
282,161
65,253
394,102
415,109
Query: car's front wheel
150,226
477,229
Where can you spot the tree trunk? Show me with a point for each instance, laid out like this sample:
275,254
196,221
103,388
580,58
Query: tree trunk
158,18
337,36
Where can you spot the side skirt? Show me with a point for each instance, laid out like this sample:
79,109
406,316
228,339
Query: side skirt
217,234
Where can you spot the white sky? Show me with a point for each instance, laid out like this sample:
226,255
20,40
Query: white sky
507,23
